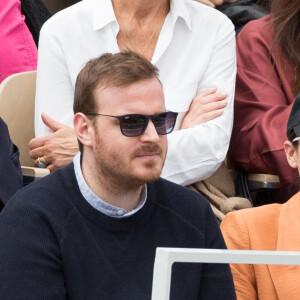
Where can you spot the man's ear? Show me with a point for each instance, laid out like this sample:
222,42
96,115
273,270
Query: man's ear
291,154
83,129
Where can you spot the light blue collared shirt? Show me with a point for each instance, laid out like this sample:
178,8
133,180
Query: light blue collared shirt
98,203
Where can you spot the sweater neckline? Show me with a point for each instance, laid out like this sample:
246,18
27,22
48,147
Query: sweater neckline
99,218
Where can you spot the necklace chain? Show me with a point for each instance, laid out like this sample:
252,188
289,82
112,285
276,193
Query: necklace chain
128,35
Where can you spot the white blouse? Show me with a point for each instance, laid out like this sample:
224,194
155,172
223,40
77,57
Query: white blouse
195,51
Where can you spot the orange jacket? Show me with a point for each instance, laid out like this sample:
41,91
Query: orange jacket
269,227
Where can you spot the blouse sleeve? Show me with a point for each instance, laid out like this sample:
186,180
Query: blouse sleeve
54,89
196,153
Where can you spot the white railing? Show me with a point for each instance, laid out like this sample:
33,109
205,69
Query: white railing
165,257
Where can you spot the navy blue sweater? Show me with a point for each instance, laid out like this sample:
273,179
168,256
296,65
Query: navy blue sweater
54,245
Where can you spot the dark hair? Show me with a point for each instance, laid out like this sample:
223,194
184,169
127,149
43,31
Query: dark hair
109,70
291,136
264,3
286,22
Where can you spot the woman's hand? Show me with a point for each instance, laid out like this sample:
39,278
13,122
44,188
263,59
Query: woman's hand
206,106
57,148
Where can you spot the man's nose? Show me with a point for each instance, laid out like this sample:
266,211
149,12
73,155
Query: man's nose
150,134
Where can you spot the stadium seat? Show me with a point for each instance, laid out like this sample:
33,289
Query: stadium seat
17,94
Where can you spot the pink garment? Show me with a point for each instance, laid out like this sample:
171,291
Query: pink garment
18,52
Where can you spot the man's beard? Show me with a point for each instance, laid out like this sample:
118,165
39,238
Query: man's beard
111,168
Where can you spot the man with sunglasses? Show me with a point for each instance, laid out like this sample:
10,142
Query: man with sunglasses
90,230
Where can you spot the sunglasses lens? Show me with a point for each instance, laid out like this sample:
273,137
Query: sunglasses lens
164,122
133,125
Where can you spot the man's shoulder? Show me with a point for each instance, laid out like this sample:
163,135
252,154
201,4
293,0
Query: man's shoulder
178,199
49,194
185,210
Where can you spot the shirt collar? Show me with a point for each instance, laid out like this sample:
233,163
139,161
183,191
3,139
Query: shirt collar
97,202
179,9
103,12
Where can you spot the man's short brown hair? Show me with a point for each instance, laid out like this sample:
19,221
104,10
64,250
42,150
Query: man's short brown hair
109,70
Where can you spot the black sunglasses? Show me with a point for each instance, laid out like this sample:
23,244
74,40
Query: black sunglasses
135,124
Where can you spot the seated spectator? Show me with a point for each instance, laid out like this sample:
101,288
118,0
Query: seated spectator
199,143
11,179
268,80
18,52
269,227
90,230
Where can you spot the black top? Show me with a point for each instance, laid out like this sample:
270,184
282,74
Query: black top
36,14
54,245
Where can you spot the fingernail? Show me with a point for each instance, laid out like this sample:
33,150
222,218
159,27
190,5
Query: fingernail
212,89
